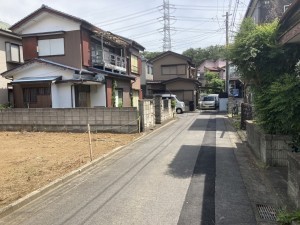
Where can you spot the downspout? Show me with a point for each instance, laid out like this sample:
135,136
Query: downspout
72,96
131,93
103,61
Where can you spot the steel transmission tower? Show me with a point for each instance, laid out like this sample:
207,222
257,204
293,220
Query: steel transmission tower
167,45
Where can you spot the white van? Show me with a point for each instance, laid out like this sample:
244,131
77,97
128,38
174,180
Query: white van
216,99
180,106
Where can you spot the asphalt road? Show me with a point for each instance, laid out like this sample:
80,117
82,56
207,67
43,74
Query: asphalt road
184,173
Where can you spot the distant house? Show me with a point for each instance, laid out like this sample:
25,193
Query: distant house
147,75
235,84
176,74
264,11
216,66
75,64
11,55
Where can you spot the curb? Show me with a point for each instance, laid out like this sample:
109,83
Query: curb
59,181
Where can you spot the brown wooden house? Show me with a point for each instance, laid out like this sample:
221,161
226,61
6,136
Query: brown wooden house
174,73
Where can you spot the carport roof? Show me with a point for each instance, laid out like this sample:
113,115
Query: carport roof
36,79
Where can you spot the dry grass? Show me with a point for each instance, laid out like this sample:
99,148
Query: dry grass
30,160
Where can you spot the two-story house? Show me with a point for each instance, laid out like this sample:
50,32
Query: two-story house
146,76
72,63
174,73
265,11
11,55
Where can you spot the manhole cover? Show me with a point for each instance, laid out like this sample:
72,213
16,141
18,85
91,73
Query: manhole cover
267,212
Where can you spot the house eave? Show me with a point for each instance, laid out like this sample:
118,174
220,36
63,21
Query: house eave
43,34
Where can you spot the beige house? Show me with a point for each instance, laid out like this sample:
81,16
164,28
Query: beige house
174,73
11,55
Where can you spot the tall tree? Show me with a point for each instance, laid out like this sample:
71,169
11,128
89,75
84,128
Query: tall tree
214,81
150,55
258,57
198,55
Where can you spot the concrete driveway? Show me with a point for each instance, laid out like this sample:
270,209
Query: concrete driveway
184,173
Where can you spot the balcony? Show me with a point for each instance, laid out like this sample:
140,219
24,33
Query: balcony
109,60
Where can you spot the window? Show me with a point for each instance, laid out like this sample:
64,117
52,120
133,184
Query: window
173,70
134,64
168,70
119,98
30,94
149,69
50,47
14,53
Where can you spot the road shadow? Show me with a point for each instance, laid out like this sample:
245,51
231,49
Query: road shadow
199,203
182,166
199,125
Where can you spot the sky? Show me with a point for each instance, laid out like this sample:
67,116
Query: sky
193,23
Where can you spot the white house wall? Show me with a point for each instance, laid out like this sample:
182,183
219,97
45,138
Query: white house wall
42,70
61,95
98,95
46,22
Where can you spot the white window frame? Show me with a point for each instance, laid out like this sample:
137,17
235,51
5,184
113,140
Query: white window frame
14,52
51,47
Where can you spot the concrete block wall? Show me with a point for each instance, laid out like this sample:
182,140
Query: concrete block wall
163,110
158,104
253,138
119,120
270,149
275,148
293,188
166,110
147,114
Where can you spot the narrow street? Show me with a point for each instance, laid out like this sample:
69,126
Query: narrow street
184,173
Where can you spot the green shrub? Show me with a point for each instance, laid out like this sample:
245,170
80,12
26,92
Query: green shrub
4,106
286,218
278,106
173,103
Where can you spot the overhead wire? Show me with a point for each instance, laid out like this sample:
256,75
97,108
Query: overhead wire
131,16
176,30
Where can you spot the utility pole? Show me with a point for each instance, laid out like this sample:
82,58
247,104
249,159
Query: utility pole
167,33
227,64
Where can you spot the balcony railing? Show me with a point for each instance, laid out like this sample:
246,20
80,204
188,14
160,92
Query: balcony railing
109,60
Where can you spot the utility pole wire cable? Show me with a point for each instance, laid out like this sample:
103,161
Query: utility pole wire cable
136,14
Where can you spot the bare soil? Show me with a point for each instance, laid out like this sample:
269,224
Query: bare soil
30,160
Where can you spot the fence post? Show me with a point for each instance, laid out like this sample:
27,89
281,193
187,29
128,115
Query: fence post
90,143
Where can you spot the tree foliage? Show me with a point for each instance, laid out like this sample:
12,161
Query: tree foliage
150,55
214,81
257,55
273,72
198,55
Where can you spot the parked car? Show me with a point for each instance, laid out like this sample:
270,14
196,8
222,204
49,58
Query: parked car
208,102
179,105
216,99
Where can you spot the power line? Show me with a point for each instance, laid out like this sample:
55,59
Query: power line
188,43
129,16
134,26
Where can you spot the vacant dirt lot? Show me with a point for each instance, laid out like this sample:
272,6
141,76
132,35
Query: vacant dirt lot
30,160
